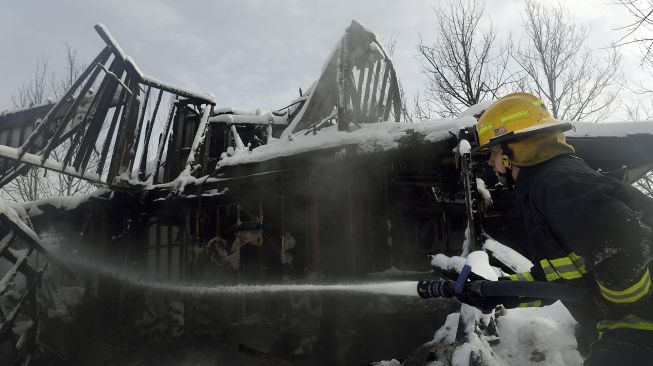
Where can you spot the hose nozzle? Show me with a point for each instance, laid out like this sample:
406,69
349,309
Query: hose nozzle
427,289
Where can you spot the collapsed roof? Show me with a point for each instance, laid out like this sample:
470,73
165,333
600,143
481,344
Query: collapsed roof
107,124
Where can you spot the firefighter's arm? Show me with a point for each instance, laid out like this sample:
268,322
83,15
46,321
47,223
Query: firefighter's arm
584,215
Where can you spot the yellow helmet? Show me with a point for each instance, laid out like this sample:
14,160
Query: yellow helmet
513,116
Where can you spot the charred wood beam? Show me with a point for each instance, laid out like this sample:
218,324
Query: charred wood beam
146,140
121,149
366,97
384,85
41,130
10,275
355,99
49,164
358,91
343,74
390,98
108,91
109,138
162,140
6,241
88,117
139,128
27,271
396,100
101,59
6,327
175,137
199,139
146,79
22,231
373,105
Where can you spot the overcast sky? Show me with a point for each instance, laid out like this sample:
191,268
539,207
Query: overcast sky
248,53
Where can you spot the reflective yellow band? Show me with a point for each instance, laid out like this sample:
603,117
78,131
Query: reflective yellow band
570,267
631,294
532,304
513,117
524,276
549,271
628,322
486,128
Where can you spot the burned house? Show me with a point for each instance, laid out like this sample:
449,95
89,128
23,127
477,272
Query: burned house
332,187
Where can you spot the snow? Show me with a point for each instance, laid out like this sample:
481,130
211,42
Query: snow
12,215
542,336
480,263
530,333
610,129
477,108
443,262
464,147
392,362
230,110
255,119
66,203
51,164
48,102
483,191
508,256
447,333
375,137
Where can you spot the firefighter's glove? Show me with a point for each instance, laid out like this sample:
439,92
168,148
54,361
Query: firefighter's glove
471,295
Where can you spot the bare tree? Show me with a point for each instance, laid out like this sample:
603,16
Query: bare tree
465,64
645,184
37,183
37,89
576,83
640,29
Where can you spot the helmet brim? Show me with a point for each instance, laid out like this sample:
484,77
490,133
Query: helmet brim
549,124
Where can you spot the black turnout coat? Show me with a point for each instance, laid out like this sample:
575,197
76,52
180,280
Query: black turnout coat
589,230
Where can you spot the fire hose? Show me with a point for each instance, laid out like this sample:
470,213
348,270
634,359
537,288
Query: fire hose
484,289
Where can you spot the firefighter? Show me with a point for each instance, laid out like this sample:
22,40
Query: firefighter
584,229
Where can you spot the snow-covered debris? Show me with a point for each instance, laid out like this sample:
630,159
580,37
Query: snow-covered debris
507,256
464,147
392,362
480,263
50,164
542,336
66,203
267,118
515,337
484,192
12,215
610,129
477,108
369,138
454,264
6,113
